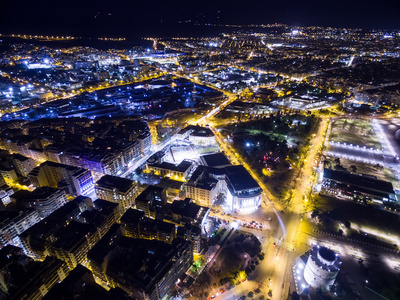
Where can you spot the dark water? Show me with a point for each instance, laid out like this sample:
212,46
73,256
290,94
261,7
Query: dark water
133,37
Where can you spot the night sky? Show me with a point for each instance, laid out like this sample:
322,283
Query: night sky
160,17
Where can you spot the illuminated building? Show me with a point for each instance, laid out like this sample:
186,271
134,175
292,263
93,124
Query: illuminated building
145,142
25,145
243,194
53,153
77,181
23,165
104,163
130,151
14,223
120,262
44,200
304,102
37,240
197,135
322,267
5,195
118,190
151,200
188,216
136,225
174,189
177,172
8,174
69,233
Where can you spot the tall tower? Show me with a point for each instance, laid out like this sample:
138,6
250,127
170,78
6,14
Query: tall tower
322,267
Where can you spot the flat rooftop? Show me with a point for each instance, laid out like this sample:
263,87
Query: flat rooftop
114,182
136,261
365,182
197,130
189,209
240,178
182,167
215,160
40,193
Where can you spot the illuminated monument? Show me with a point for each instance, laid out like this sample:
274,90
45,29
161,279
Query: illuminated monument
322,267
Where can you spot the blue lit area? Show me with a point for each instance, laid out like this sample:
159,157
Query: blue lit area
153,98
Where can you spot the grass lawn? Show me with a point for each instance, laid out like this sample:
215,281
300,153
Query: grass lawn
354,131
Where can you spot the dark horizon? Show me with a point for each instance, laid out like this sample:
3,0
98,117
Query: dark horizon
121,18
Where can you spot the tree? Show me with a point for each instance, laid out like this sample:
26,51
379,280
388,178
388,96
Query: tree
353,169
337,161
314,214
204,280
347,224
327,164
295,296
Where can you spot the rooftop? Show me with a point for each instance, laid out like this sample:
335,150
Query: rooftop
40,193
113,182
189,209
365,182
144,262
215,160
182,167
240,178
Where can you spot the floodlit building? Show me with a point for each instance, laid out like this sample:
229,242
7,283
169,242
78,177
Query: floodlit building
322,267
145,142
202,136
14,223
5,193
76,181
118,190
23,165
177,172
243,194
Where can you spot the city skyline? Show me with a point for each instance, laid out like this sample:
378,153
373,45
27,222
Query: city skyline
158,18
191,151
